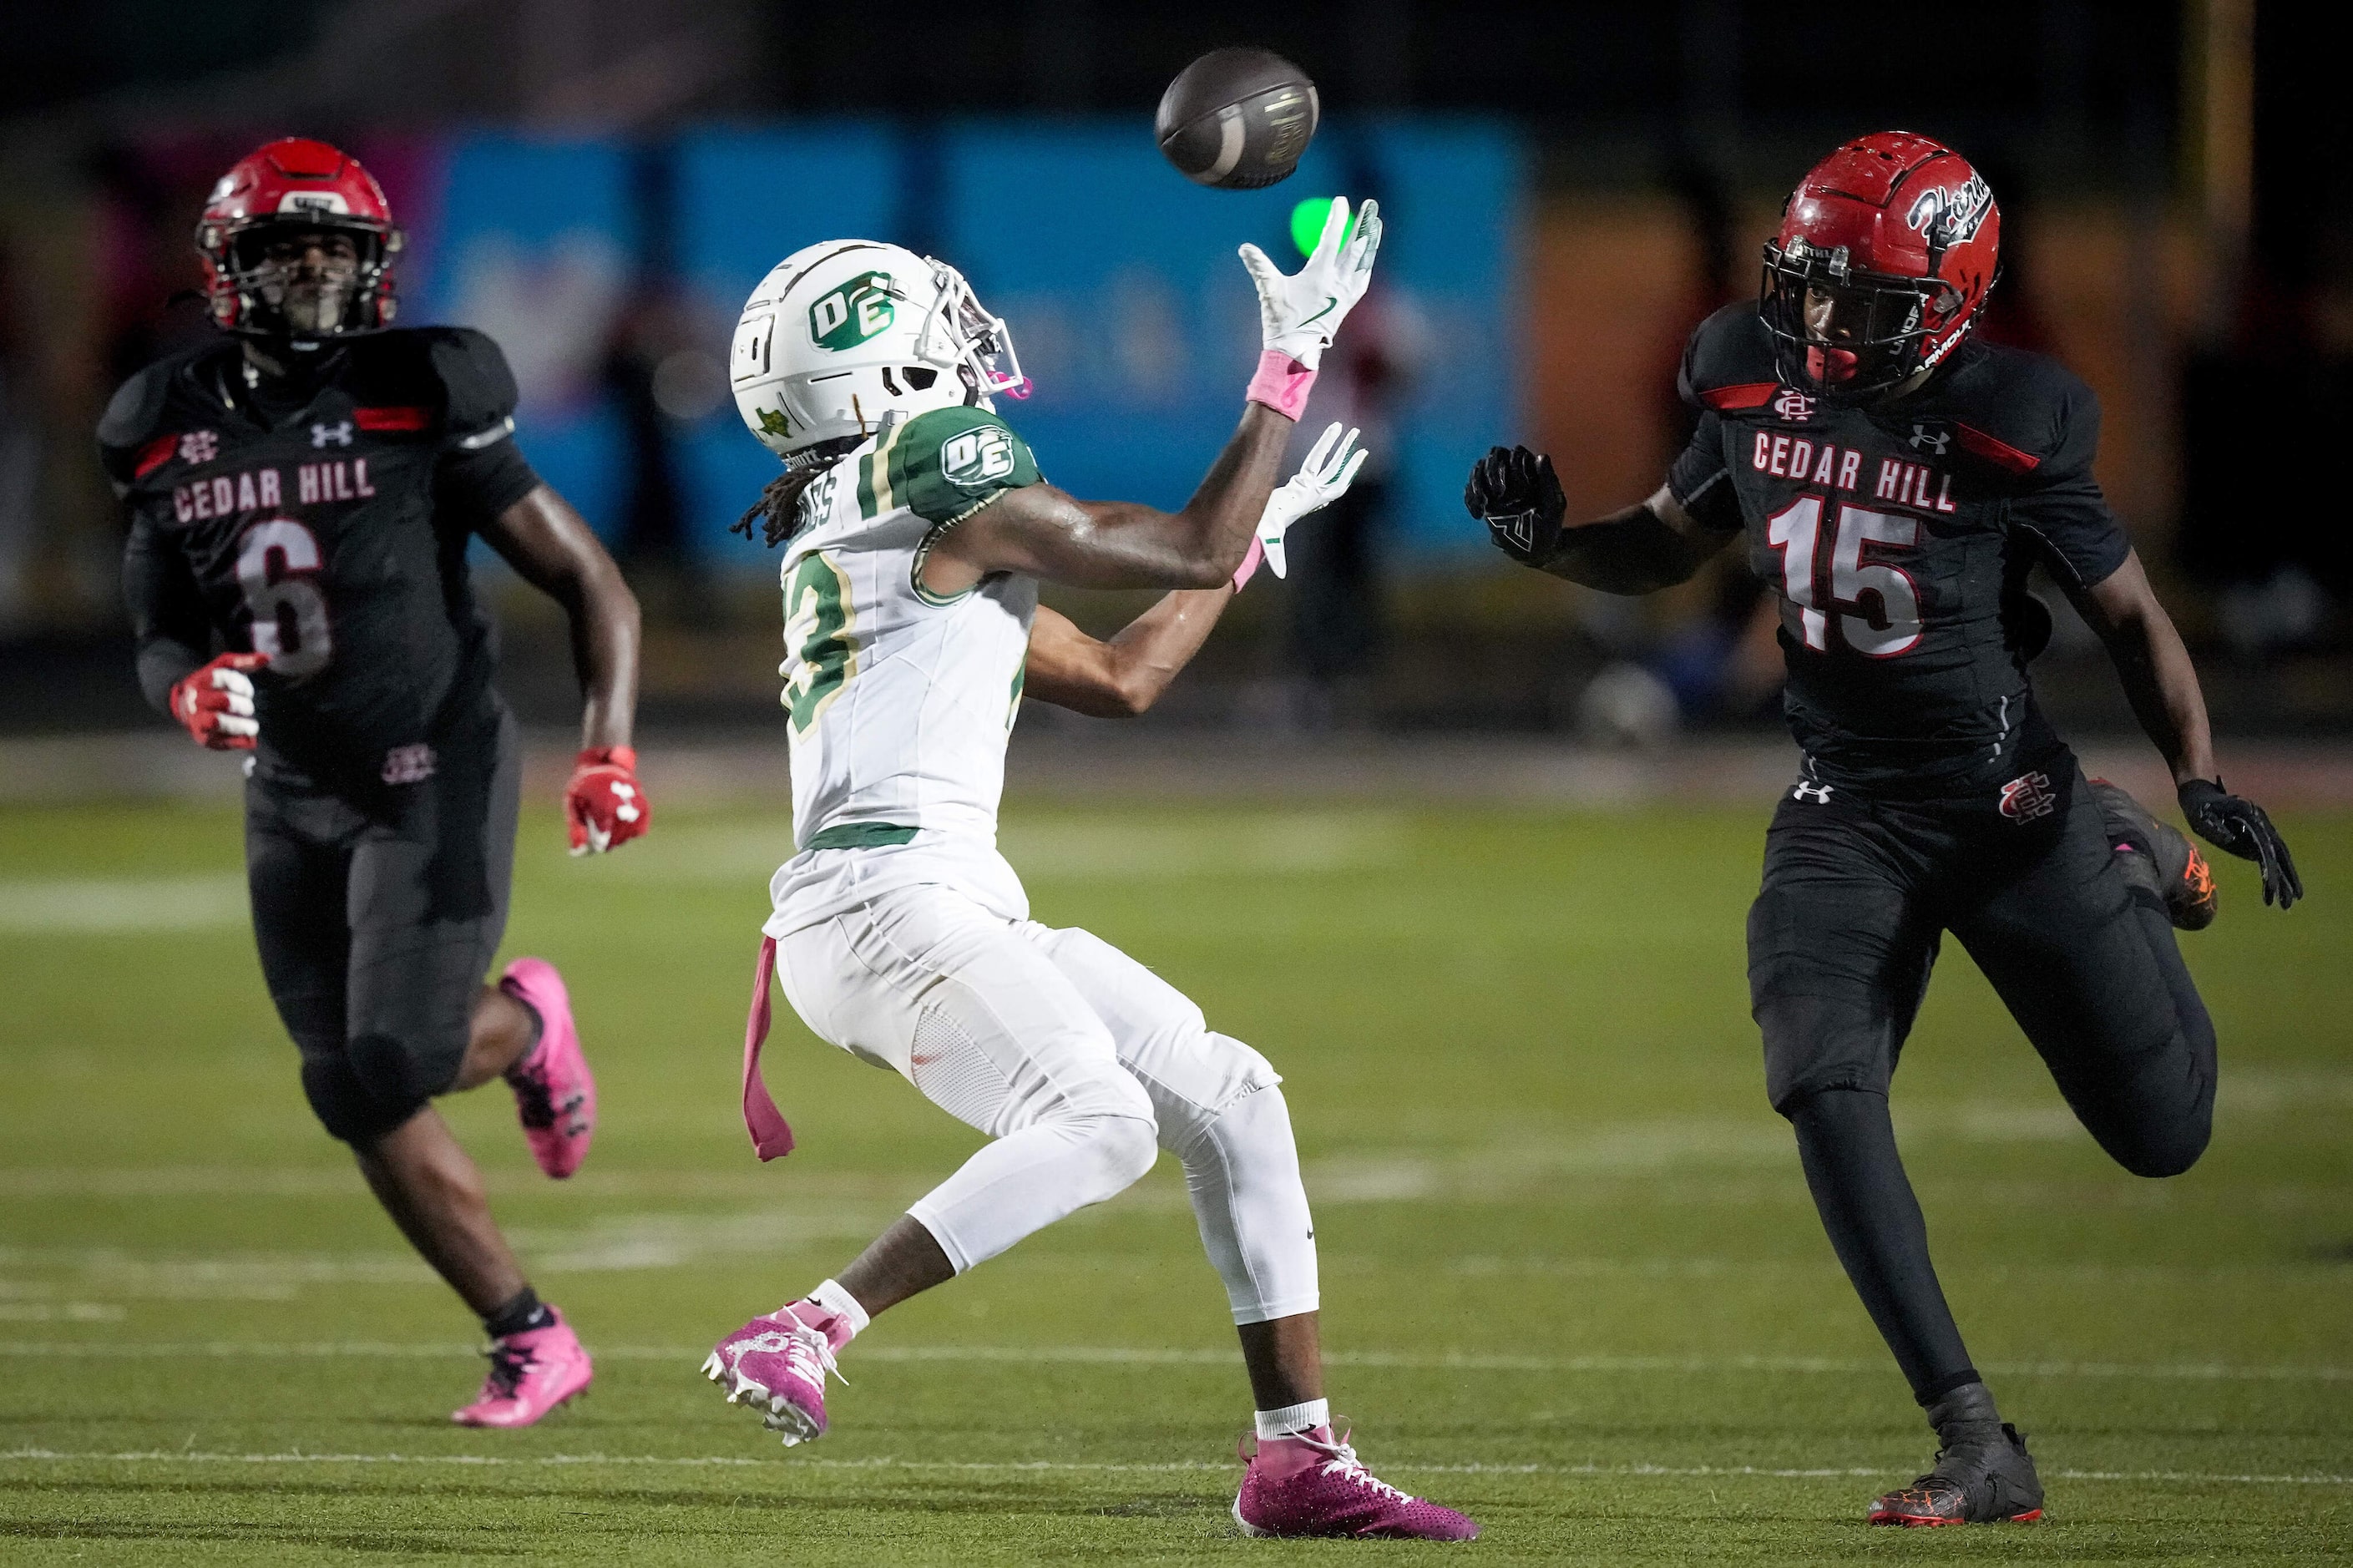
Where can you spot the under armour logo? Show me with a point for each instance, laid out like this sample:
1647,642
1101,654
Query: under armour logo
1820,794
627,795
339,434
199,447
1930,441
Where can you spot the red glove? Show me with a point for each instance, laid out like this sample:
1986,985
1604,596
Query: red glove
603,800
216,703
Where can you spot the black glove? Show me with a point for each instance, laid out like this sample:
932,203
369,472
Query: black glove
1517,495
2228,822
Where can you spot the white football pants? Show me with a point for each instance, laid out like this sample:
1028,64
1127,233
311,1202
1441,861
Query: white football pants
1076,1059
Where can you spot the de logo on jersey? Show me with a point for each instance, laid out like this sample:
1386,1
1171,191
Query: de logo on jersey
978,458
849,315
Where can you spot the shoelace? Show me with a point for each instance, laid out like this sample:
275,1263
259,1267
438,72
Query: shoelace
1344,1465
508,1364
806,1352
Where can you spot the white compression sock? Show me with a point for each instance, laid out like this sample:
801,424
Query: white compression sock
1292,1420
1241,1169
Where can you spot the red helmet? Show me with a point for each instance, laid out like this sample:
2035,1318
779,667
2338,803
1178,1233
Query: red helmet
296,185
1894,241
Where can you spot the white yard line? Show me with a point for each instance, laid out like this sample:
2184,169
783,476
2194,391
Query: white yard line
1121,1356
1020,1467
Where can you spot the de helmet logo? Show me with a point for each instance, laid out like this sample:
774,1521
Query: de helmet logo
199,447
1794,406
976,457
846,316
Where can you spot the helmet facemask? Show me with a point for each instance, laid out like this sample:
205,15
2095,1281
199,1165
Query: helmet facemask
306,280
960,331
1848,333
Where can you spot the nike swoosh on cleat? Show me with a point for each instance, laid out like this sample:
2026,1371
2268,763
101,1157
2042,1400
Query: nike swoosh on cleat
1329,301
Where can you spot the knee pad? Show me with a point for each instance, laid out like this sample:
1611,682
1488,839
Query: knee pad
1125,1150
395,1073
2162,1148
342,1101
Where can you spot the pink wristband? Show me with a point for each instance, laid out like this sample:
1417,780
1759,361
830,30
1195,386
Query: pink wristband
1281,384
1249,563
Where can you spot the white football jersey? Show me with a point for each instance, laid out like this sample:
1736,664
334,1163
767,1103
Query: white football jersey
898,701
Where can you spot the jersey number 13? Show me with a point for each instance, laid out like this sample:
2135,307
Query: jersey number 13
819,654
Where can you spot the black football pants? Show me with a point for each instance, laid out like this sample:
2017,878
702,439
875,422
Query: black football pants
376,925
1857,893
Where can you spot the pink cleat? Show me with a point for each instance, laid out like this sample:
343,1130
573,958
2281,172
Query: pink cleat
1314,1485
555,1095
531,1373
776,1364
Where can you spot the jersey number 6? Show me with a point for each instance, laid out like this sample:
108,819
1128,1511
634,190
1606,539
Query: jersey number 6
1818,587
277,564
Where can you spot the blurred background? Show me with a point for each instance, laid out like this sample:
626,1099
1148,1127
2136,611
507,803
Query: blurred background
1572,187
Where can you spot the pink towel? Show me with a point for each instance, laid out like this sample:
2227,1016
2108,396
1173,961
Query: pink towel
770,1136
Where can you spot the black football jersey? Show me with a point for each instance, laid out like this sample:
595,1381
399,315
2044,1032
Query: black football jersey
327,528
1897,537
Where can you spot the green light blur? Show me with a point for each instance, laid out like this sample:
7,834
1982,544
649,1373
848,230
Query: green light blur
1307,223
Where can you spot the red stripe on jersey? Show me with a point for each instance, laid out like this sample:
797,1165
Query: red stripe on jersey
391,418
1993,451
1752,395
154,455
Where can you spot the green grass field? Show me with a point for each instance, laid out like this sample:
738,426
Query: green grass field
1572,1281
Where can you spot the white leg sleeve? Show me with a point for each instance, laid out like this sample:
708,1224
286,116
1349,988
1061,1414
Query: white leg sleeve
925,981
1217,1109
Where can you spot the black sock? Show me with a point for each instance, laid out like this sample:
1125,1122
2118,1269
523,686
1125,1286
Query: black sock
538,1024
522,1315
1847,1145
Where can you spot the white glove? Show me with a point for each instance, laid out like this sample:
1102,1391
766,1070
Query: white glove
1299,313
1322,479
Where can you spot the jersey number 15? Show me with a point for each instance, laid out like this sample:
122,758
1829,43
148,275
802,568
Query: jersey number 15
1823,573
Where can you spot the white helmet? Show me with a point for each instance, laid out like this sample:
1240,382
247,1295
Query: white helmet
839,334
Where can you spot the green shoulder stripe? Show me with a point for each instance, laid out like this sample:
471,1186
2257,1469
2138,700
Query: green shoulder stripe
945,465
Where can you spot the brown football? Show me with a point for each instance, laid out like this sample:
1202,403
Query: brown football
1237,119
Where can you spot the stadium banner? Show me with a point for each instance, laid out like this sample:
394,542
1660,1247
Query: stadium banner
536,243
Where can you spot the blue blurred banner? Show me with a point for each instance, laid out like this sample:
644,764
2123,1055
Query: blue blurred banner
745,201
537,245
1132,313
1140,327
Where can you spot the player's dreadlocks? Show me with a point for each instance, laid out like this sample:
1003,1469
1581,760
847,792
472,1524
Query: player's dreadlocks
778,507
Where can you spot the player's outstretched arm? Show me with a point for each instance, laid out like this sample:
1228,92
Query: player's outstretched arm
1120,678
550,545
1123,676
2162,686
1045,533
1639,550
1042,532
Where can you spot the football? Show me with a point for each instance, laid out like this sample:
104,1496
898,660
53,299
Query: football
1237,119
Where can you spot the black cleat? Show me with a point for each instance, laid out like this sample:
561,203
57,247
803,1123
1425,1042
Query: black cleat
1983,1473
2158,859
